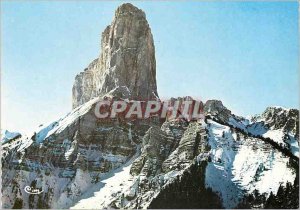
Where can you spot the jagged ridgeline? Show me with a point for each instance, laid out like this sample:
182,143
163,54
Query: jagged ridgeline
81,161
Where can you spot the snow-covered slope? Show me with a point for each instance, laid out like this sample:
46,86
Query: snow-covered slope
276,124
61,124
243,164
114,183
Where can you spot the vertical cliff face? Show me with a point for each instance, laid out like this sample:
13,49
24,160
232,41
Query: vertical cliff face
127,59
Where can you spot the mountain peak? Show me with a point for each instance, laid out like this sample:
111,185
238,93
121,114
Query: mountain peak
128,8
127,59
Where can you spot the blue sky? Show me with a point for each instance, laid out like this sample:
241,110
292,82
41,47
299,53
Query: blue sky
243,53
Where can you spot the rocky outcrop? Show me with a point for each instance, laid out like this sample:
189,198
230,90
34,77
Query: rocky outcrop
127,59
156,146
280,118
216,108
279,125
191,144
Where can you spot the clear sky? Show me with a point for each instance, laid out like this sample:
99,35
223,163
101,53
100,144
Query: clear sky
245,54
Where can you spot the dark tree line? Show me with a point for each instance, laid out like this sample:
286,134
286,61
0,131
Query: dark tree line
287,197
188,192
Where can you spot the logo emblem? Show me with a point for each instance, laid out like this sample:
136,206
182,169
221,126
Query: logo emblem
30,190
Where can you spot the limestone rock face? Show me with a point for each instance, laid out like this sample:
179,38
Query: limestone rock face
216,108
127,59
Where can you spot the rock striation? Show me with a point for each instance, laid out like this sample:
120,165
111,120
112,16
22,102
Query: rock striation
127,59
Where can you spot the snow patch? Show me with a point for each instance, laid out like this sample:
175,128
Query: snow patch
103,193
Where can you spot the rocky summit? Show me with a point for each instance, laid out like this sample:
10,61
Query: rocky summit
83,162
127,59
